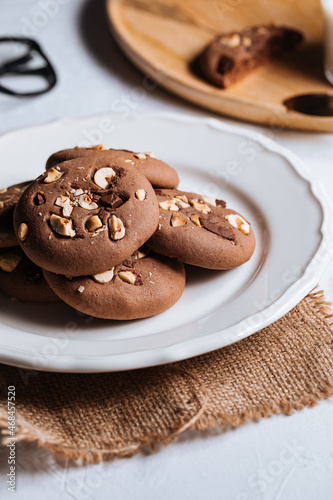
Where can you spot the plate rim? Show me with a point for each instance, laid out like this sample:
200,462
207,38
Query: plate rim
279,307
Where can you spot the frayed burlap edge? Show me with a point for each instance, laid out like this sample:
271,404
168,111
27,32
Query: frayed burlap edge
323,311
24,431
201,422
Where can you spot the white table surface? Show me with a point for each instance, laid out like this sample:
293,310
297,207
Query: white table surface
280,458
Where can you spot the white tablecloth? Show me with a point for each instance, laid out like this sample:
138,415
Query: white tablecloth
280,458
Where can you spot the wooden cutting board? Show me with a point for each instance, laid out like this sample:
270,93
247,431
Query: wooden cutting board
162,37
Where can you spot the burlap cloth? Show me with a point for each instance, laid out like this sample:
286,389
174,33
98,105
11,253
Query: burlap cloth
284,367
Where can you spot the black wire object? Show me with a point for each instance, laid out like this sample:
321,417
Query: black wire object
19,67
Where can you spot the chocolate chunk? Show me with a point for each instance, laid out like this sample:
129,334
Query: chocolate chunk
220,203
138,281
225,65
214,225
111,200
39,199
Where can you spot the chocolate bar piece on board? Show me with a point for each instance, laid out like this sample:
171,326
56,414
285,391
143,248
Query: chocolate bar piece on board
232,56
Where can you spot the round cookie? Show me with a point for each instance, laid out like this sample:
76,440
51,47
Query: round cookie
85,216
21,279
137,288
201,231
8,200
159,174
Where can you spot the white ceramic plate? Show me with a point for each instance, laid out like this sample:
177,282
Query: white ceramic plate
291,218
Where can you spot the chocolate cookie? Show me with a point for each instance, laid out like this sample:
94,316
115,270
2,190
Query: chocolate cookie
158,173
138,288
8,200
230,57
201,231
85,216
21,279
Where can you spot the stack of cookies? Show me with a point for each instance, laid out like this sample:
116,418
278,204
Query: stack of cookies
107,232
